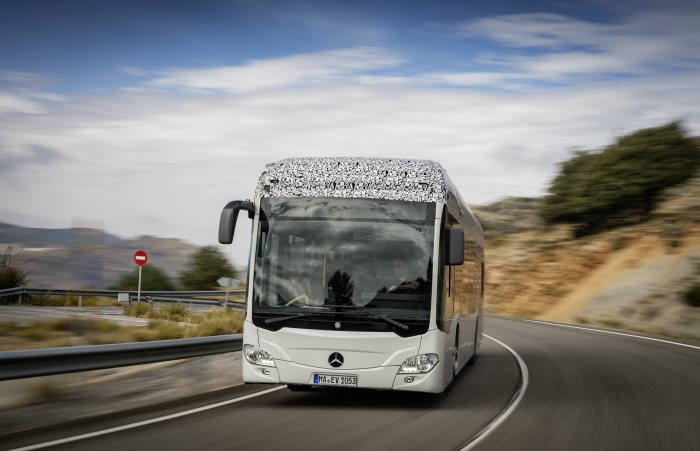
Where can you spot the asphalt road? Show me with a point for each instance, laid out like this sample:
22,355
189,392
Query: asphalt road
586,391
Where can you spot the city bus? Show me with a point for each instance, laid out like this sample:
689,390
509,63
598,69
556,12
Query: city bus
363,272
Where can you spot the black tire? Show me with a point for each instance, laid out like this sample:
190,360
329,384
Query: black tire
295,387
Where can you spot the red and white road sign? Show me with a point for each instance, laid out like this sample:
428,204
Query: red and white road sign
140,257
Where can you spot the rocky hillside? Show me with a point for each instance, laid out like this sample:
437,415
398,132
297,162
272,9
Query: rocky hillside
631,277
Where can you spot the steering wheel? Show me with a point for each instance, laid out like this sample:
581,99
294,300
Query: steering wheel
298,298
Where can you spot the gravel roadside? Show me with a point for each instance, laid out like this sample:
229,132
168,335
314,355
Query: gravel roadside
44,401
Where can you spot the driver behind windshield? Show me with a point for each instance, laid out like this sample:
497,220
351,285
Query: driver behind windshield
404,282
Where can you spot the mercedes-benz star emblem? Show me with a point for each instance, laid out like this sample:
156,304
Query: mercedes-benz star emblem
336,359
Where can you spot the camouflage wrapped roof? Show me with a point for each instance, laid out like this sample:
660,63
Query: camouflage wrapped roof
369,178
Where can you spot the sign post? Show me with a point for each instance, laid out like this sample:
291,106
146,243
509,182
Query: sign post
140,258
229,283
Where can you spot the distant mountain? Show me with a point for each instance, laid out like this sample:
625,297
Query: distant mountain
88,258
37,237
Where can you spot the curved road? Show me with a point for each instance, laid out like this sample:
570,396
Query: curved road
586,390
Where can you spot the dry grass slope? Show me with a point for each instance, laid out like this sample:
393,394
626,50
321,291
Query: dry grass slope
179,322
633,277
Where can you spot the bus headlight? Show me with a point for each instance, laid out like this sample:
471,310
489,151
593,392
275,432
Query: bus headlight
422,363
257,356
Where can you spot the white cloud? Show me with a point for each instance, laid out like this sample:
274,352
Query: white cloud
282,72
179,154
537,30
14,103
561,49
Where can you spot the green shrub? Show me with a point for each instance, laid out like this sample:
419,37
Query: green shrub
152,278
76,325
205,267
137,309
692,296
621,184
166,330
175,311
218,322
12,274
44,300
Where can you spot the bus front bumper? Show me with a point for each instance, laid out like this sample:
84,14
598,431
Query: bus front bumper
379,378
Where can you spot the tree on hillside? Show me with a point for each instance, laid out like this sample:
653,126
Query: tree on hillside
205,267
621,184
152,279
12,272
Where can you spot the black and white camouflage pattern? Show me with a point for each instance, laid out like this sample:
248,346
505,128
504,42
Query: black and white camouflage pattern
368,178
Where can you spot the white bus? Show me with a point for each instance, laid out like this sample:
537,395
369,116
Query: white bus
363,272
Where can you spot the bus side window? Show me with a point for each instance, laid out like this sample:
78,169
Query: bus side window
454,274
442,308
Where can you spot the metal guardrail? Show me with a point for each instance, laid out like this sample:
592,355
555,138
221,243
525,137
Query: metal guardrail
111,293
45,362
198,301
146,296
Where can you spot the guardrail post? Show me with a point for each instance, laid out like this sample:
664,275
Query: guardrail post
19,299
80,300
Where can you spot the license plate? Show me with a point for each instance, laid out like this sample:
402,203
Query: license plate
337,380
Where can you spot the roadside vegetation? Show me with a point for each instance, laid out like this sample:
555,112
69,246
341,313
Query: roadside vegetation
622,183
613,244
692,296
12,273
205,267
76,331
51,300
152,278
166,320
217,321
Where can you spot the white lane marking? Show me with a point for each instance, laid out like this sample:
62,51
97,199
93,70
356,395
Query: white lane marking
602,331
76,438
511,407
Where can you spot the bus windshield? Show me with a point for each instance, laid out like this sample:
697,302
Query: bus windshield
325,262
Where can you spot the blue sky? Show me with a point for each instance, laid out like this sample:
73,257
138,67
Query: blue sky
89,46
147,117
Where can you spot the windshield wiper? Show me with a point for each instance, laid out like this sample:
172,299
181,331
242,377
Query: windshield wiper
374,315
325,308
315,309
391,321
285,318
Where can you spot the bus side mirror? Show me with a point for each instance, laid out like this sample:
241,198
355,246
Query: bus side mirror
454,246
227,223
